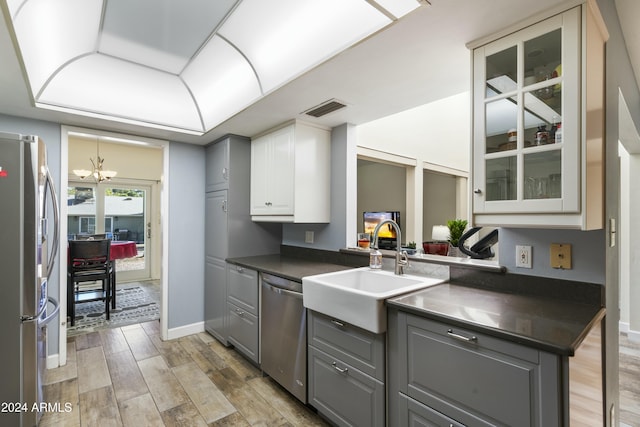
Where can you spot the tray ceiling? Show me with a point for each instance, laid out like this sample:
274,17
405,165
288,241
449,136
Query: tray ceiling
182,66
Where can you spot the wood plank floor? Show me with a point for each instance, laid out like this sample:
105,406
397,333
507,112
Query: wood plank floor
128,376
629,382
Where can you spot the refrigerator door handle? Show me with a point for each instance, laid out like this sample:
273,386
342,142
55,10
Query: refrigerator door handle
56,235
53,314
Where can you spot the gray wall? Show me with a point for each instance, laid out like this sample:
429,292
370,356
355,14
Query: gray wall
186,234
438,202
50,133
332,236
587,253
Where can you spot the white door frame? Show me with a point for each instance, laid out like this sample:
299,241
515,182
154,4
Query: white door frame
164,216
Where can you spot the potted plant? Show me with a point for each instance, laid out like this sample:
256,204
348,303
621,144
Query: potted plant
456,230
410,248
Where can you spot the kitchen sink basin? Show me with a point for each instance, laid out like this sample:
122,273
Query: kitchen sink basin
357,296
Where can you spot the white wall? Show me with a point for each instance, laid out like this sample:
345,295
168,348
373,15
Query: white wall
438,133
130,161
628,238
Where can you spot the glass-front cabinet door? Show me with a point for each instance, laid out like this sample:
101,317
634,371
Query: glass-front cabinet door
527,119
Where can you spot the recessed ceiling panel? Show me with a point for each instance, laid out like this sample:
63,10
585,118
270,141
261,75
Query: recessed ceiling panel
162,34
104,85
52,33
14,5
285,38
222,82
398,8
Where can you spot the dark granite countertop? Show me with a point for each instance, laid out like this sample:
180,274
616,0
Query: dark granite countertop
291,268
556,326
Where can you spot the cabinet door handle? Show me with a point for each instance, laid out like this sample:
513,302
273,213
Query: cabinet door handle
239,269
224,206
339,369
452,334
239,312
338,323
225,173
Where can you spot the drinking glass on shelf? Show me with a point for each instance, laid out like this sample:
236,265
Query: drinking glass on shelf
364,239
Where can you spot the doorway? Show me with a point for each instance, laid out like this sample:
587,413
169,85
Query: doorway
629,289
129,206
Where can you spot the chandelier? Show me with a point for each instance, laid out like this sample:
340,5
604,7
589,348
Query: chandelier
98,172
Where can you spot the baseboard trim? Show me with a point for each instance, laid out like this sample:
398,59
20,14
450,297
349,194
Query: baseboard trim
633,335
183,331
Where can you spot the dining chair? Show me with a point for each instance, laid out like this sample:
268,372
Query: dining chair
91,236
89,261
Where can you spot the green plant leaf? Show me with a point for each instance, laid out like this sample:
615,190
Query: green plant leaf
456,230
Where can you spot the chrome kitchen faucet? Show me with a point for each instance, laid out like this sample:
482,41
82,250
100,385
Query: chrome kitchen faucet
402,259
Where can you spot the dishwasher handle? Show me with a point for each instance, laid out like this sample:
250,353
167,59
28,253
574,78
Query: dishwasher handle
281,291
281,282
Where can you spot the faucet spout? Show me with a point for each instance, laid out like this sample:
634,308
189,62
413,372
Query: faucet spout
401,256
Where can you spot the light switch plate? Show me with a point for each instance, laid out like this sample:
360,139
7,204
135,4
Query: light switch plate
560,256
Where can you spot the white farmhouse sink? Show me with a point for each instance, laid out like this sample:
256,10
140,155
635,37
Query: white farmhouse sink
357,296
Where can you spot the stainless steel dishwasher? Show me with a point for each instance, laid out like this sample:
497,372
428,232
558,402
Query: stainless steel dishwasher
284,334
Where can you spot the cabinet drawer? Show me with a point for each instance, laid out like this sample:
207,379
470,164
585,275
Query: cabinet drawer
243,331
342,393
361,349
448,366
415,414
242,288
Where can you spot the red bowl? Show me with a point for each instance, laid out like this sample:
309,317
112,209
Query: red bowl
436,248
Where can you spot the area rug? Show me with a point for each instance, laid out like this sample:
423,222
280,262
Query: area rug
133,305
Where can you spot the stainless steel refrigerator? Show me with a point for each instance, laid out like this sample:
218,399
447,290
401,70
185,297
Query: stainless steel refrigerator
28,244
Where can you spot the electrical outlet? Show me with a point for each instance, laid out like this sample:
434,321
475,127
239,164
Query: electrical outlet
523,256
308,236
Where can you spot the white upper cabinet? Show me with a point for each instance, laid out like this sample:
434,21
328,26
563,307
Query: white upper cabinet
538,123
290,174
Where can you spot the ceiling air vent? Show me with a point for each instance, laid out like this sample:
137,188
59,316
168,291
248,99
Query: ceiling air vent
325,108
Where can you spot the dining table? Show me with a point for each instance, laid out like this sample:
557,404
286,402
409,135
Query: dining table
121,249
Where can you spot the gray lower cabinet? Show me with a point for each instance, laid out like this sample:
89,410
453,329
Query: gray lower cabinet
346,372
441,374
415,414
242,310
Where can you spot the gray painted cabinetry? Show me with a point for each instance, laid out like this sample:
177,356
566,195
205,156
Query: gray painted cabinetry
242,305
441,374
346,372
229,232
